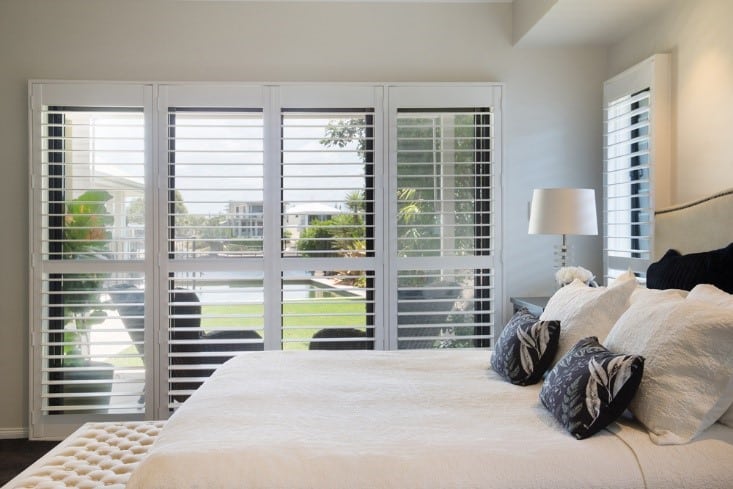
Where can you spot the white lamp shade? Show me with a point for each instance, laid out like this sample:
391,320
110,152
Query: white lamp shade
563,211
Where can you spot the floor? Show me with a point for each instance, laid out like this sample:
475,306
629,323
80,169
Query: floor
16,455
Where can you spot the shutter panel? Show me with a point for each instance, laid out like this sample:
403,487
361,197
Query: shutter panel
628,216
636,166
92,232
445,227
327,229
215,168
215,222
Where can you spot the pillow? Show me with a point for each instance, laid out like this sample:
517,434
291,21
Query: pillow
676,271
586,311
688,349
590,387
525,348
711,294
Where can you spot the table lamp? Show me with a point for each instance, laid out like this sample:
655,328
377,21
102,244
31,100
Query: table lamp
563,211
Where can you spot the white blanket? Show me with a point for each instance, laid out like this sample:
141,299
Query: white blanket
367,419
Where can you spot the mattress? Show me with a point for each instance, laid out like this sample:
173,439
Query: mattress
402,419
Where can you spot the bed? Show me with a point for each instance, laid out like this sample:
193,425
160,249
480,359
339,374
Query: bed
425,418
428,418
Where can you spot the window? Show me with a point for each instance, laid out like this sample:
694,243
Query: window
636,160
257,218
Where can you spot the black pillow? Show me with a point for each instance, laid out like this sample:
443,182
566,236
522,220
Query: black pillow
590,387
676,271
526,348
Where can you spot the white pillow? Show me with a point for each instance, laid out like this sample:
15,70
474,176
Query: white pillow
712,294
688,370
586,311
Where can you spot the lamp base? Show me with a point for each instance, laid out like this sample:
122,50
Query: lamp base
562,254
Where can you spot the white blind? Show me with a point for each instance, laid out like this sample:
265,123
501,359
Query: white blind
628,217
328,222
443,176
327,183
92,214
215,202
92,185
444,216
215,183
247,217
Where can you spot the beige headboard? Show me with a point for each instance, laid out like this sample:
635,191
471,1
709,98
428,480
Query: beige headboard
702,225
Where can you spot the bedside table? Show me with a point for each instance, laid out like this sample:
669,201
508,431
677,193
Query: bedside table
535,305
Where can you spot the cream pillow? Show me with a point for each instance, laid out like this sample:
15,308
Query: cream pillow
712,294
688,369
586,311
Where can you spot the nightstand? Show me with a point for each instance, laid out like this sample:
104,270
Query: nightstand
535,305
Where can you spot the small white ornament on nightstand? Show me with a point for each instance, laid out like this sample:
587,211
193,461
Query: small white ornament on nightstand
566,275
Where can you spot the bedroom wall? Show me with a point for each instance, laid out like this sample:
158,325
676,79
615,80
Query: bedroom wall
551,108
699,38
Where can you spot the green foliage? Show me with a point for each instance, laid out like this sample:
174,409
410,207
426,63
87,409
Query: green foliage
85,237
316,239
85,223
340,133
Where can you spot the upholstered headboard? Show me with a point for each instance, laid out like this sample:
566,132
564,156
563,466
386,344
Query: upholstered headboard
702,225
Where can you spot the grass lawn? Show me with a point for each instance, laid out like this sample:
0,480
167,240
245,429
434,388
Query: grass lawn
301,320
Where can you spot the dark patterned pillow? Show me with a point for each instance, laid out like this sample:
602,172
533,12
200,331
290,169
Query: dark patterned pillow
676,271
590,387
526,348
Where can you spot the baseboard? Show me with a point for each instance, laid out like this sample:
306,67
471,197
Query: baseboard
13,433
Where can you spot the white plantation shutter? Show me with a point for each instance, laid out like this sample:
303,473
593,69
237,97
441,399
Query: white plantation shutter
235,218
215,175
445,162
329,213
89,231
636,160
214,206
627,190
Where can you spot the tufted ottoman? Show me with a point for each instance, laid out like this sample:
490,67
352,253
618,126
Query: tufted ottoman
95,455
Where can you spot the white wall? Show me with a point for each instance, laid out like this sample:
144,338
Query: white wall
552,115
699,37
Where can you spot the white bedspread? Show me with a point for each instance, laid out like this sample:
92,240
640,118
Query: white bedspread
407,419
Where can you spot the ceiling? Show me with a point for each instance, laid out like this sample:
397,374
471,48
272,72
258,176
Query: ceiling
555,22
596,22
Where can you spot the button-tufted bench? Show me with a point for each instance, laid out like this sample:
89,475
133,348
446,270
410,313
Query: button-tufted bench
96,455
